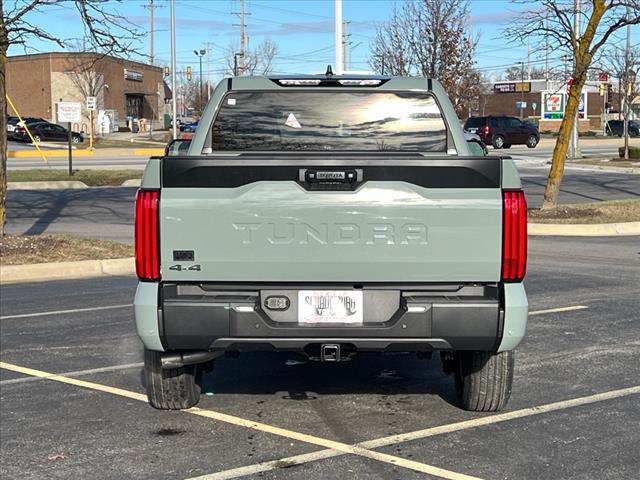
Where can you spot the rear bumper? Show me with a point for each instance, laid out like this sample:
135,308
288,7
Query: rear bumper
404,318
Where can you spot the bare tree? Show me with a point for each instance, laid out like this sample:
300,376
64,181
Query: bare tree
258,61
430,38
614,61
107,32
554,20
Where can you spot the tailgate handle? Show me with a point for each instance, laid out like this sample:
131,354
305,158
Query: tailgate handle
331,179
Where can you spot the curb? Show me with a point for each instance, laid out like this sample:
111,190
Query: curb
55,185
148,151
142,152
40,272
84,152
64,184
584,230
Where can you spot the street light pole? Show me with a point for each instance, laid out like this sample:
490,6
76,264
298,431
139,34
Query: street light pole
200,54
174,99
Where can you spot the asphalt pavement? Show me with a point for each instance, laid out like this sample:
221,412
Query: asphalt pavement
107,213
573,414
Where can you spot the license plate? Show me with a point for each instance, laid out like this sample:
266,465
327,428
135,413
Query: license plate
329,306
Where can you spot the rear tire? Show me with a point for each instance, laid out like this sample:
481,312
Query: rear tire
498,142
483,380
171,389
532,141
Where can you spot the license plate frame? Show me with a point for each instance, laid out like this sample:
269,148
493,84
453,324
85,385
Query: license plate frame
330,307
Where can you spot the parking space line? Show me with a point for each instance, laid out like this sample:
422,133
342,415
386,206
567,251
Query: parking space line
557,310
76,373
340,447
420,434
62,312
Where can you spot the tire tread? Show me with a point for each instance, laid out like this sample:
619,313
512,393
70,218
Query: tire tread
170,389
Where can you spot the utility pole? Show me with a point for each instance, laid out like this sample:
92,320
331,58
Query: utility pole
546,54
627,88
345,46
575,145
208,46
151,28
174,104
528,57
339,38
521,90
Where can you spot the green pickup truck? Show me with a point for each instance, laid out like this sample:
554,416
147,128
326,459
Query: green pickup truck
330,215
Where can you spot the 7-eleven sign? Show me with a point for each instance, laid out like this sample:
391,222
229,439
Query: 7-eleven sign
553,106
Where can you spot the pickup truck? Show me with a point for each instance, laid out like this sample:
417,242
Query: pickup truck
330,215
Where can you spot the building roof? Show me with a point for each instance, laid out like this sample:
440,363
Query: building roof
63,55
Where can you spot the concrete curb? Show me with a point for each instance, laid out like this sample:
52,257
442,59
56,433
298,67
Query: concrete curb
584,230
55,185
63,184
84,152
134,182
141,152
40,272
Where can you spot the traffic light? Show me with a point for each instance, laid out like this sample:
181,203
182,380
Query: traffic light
609,91
189,73
601,89
167,71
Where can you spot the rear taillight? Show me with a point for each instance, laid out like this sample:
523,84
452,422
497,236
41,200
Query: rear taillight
486,130
147,233
514,235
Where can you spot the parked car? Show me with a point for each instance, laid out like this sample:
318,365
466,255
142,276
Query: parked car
189,127
503,131
45,131
13,122
332,225
616,127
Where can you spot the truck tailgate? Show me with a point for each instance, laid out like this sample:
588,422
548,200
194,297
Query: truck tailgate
413,222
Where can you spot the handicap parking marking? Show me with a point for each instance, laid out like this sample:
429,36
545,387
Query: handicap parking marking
421,434
558,310
339,448
63,312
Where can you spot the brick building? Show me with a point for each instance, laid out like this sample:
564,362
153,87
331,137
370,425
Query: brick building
124,89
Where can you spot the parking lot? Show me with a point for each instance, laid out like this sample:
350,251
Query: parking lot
73,403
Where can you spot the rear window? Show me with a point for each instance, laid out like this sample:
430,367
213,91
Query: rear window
474,122
317,121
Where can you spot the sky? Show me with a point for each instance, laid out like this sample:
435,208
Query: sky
302,30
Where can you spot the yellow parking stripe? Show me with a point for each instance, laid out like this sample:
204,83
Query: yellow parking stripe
262,427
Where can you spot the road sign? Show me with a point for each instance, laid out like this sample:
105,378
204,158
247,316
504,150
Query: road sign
534,105
92,103
521,105
603,77
69,112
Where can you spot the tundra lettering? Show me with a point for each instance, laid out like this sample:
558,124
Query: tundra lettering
287,233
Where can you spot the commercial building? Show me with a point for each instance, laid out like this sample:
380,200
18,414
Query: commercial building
545,101
126,92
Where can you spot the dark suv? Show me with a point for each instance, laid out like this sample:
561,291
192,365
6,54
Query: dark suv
616,127
503,131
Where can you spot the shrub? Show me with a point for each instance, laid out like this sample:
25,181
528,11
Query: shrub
634,152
